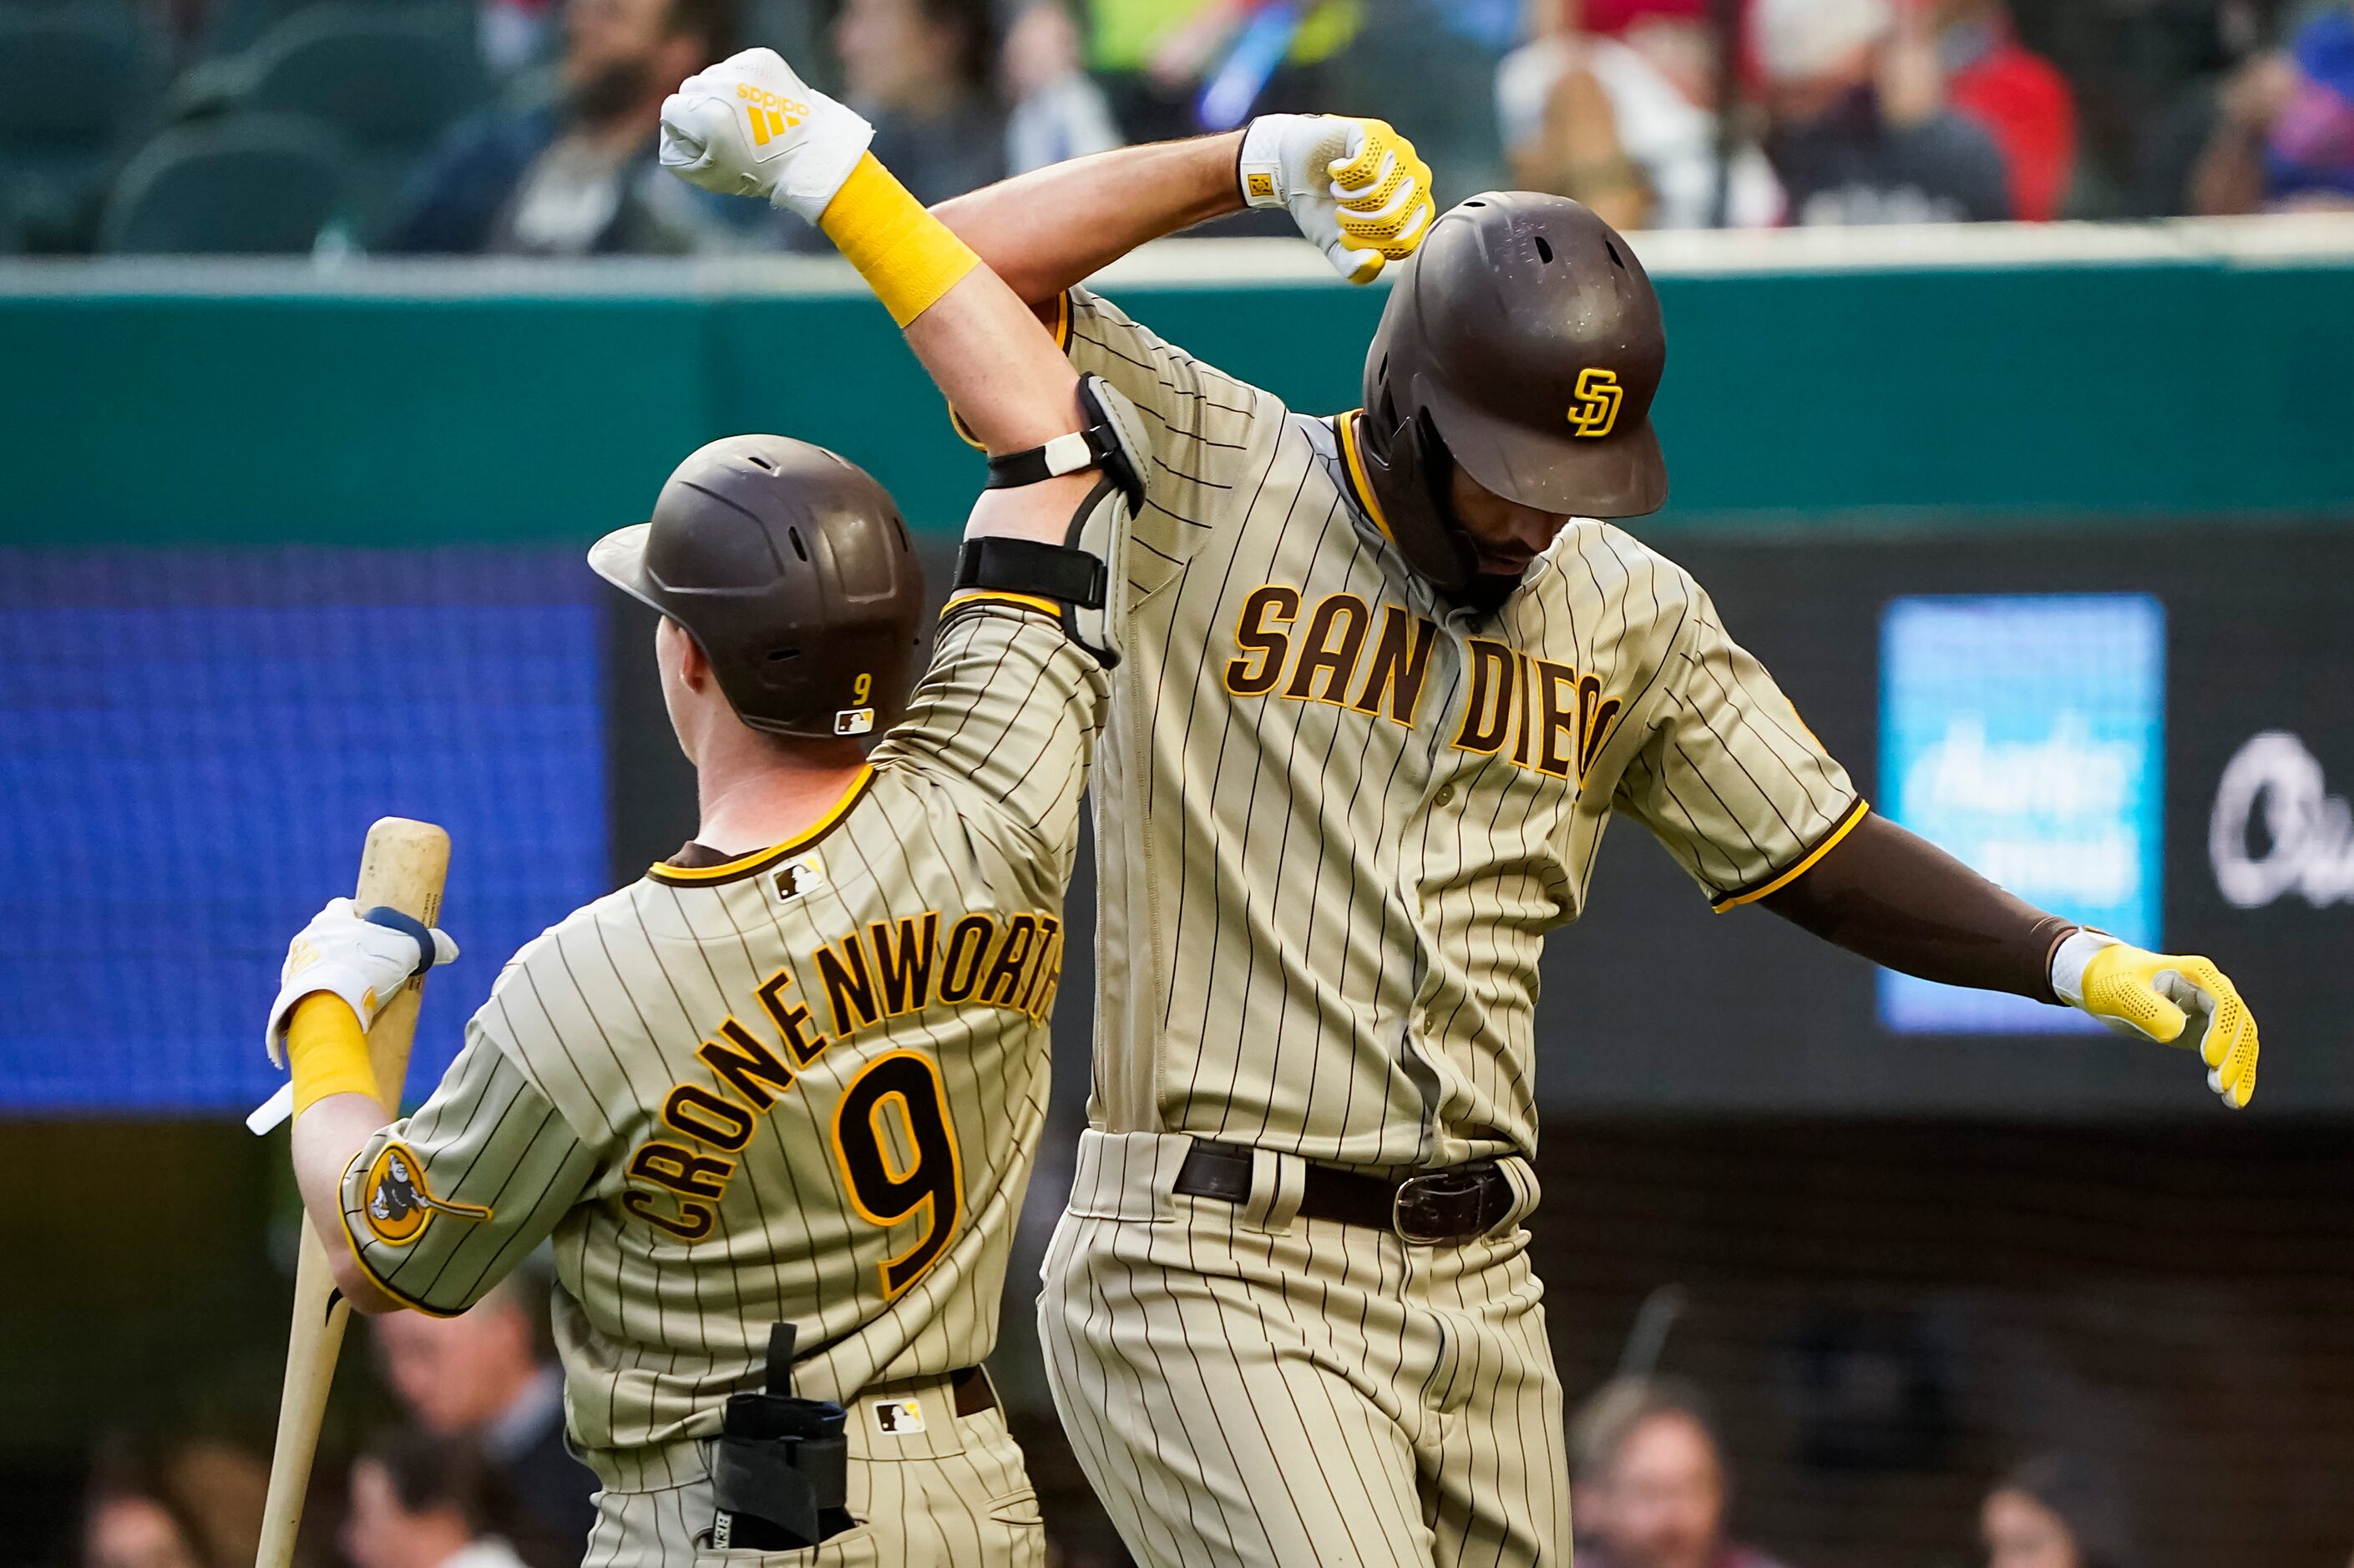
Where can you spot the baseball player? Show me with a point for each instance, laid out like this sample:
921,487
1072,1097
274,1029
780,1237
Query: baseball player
776,1102
1384,679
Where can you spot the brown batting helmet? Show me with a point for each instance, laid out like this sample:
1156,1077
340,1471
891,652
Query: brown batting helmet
792,571
1523,342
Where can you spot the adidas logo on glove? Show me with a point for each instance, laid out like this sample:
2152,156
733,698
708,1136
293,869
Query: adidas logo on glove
772,114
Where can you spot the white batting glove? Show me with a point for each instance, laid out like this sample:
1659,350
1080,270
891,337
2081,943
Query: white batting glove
2175,1000
748,126
364,959
1356,187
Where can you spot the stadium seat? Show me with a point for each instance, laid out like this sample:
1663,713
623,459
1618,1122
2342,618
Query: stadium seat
236,25
381,77
76,92
388,79
251,185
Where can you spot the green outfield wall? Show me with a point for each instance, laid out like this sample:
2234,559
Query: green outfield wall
402,408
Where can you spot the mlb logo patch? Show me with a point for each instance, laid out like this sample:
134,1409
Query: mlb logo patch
854,721
898,1417
797,877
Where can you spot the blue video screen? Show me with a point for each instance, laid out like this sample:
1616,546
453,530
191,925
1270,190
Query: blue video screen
2025,734
192,747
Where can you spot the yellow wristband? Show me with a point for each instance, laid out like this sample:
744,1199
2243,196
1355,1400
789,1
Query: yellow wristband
326,1051
907,256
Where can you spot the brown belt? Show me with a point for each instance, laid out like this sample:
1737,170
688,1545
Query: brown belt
1430,1208
969,1391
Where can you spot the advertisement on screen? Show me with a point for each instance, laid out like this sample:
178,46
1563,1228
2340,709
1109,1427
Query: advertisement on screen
2025,734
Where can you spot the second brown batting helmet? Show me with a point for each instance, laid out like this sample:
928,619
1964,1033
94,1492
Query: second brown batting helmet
1522,342
792,571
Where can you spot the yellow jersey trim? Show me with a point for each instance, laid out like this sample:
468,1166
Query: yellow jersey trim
760,860
992,596
963,430
1855,814
1358,482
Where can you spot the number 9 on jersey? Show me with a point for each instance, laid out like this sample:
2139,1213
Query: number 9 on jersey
897,1151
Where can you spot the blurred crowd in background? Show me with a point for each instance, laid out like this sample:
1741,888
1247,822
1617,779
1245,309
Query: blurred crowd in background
528,127
479,1477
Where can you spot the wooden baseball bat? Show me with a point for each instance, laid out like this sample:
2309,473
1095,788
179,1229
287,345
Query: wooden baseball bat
402,867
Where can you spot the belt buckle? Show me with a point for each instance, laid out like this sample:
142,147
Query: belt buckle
1419,1193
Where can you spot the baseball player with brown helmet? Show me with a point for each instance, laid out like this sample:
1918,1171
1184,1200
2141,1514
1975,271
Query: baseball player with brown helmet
775,1102
1384,679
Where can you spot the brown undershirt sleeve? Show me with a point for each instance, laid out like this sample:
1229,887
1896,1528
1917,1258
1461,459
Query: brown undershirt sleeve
1900,901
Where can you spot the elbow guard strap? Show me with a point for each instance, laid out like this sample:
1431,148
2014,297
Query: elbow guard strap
1112,438
996,564
1080,572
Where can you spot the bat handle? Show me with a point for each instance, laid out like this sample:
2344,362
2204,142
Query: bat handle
312,1341
402,869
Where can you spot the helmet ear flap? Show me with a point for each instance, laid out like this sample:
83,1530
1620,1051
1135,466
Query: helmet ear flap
1437,465
1407,467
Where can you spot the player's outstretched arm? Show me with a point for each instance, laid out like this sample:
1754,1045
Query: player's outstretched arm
1355,186
750,125
1898,900
1052,228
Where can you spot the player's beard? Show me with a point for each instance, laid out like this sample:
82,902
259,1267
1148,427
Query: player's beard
1486,591
1490,586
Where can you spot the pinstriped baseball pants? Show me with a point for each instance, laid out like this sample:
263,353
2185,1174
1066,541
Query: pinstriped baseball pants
956,1494
1244,1386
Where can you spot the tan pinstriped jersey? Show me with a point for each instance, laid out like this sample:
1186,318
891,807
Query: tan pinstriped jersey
1336,816
801,1086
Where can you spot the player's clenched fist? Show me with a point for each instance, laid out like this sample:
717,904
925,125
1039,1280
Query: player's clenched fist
363,958
1356,187
2174,1001
748,126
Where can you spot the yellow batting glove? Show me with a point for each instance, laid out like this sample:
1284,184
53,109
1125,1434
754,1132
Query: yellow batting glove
750,126
1384,190
1356,187
2175,1001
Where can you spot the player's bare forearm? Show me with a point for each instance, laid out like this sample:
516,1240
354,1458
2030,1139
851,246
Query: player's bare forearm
1045,230
983,346
1906,905
995,364
325,1137
1013,390
1895,898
